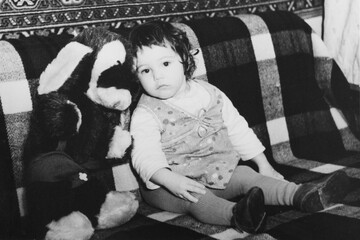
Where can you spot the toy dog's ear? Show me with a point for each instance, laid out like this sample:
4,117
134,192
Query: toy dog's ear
60,117
110,55
61,68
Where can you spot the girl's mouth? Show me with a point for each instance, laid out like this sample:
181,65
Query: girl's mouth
162,86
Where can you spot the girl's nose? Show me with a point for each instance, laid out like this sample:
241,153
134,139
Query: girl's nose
157,74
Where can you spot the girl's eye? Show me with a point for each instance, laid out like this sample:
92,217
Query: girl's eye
166,64
144,71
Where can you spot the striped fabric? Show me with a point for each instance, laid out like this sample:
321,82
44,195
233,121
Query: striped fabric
279,76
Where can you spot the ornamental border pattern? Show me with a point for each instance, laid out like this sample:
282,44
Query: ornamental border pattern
42,17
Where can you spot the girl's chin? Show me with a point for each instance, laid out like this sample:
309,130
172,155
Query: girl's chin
164,97
165,94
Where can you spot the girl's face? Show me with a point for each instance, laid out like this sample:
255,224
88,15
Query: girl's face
160,71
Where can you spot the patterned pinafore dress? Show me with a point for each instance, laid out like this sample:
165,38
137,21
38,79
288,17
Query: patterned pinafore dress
195,146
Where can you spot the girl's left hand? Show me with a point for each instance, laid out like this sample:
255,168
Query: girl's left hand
265,167
270,172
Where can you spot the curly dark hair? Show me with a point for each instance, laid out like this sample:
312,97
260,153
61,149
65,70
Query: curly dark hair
160,33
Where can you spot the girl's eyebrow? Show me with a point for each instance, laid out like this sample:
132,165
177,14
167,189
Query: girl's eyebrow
167,57
140,66
172,55
162,58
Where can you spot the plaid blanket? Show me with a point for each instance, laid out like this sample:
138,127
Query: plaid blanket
279,76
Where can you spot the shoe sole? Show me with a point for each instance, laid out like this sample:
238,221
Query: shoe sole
260,203
333,190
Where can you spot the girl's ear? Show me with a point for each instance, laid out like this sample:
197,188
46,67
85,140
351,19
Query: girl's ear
189,62
194,51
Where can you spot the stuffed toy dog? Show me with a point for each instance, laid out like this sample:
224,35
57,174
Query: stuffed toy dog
84,97
79,125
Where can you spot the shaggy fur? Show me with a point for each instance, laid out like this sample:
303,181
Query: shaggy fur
75,226
119,207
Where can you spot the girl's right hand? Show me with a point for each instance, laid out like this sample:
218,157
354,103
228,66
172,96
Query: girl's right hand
179,185
183,186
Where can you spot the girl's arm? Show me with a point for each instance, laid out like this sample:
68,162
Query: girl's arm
149,160
244,140
147,156
265,167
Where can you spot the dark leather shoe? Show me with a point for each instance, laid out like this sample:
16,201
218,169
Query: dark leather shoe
249,212
323,193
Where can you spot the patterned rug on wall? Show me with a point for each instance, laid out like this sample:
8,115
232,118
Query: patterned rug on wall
42,17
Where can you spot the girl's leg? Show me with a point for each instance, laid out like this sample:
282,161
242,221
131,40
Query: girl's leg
209,209
276,192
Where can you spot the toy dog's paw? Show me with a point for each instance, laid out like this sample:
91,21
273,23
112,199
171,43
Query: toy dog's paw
119,143
118,208
73,226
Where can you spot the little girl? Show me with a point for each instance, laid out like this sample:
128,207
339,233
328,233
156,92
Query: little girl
189,138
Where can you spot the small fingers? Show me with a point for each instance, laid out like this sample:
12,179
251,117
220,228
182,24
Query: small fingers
191,186
196,187
191,189
198,190
277,174
199,185
272,173
190,197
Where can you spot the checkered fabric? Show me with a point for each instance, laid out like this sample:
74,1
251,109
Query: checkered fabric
279,76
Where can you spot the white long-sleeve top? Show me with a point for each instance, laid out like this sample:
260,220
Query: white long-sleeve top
147,154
